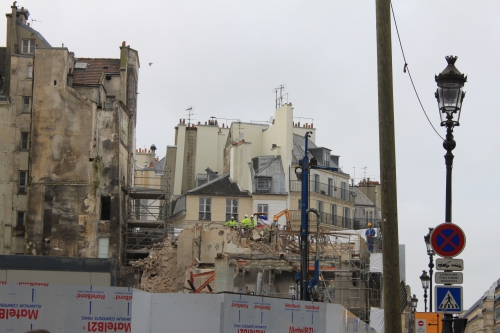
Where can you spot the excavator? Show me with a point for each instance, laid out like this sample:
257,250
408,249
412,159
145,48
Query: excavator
262,219
285,212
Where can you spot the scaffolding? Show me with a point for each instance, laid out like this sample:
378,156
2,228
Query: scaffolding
344,262
147,209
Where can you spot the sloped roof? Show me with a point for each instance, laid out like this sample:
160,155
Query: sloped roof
360,199
34,32
221,186
96,68
298,150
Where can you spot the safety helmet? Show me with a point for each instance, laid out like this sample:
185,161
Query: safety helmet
369,224
232,217
246,215
251,216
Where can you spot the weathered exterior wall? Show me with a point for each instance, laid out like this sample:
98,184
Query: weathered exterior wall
240,165
14,120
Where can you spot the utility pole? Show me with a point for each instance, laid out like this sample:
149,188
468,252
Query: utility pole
390,245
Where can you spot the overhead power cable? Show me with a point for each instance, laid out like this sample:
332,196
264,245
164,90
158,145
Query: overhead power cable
407,69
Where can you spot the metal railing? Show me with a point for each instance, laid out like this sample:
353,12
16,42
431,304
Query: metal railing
362,223
324,189
326,218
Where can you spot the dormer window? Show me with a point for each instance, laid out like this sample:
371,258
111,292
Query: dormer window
263,184
28,46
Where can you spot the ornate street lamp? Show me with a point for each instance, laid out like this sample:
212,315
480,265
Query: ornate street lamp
425,279
414,302
430,253
450,95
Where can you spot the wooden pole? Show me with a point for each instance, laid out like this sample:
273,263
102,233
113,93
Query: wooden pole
390,244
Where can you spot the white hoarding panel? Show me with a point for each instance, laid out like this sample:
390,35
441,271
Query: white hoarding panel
185,313
253,314
64,308
141,308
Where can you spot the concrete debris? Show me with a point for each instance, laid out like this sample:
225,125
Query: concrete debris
159,270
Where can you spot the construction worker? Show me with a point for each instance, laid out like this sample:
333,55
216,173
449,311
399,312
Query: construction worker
370,235
231,223
245,223
253,222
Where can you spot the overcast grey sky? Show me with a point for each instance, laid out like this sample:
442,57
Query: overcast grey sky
225,57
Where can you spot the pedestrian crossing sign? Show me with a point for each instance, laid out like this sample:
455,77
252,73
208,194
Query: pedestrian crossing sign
449,299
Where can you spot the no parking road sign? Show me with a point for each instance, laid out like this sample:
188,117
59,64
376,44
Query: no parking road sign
447,240
449,299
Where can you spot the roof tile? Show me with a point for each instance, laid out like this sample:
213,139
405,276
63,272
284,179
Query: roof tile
95,69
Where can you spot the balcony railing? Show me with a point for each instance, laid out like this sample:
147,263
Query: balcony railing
362,223
324,189
326,218
204,216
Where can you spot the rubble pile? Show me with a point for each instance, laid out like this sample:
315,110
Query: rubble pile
159,270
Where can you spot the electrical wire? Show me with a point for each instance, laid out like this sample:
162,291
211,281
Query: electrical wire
406,68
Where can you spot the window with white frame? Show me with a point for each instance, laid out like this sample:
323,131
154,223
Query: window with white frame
330,186
263,184
316,183
263,208
23,182
29,74
201,178
204,211
346,220
26,104
326,158
231,209
29,46
20,219
25,137
319,207
343,193
103,251
333,214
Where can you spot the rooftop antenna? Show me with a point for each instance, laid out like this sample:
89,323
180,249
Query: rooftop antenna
190,113
279,100
32,20
354,177
364,172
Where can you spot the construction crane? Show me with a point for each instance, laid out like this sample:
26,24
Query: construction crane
285,212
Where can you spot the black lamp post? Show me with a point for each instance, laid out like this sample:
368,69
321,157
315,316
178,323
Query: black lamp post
450,96
414,302
430,253
425,279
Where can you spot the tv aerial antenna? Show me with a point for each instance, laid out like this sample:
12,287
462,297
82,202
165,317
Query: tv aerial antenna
279,100
190,113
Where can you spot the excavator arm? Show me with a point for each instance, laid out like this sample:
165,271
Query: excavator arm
285,212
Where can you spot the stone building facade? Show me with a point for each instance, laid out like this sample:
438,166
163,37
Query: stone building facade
68,142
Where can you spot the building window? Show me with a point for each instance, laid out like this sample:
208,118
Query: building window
26,104
333,214
300,204
263,184
330,186
103,247
319,206
25,137
326,158
204,211
20,219
109,102
263,208
231,209
201,179
343,193
346,220
316,183
30,72
23,181
28,46
105,208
